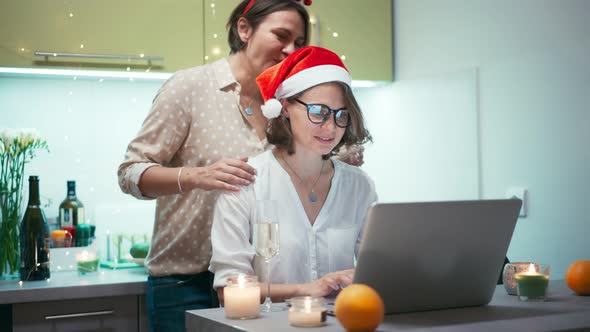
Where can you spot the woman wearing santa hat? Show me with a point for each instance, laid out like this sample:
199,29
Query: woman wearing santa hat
193,144
322,202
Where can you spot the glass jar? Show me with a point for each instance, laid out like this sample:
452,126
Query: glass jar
307,311
509,273
87,259
241,297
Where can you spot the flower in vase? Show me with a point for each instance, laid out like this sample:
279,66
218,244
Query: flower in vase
17,148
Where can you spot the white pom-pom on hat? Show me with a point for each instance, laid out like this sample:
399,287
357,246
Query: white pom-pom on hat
272,108
303,69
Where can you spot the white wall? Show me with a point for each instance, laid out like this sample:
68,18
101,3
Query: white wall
425,138
533,99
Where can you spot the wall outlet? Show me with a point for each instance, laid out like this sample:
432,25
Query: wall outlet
520,193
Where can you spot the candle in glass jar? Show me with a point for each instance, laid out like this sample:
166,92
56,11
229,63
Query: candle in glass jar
532,284
87,262
307,311
241,297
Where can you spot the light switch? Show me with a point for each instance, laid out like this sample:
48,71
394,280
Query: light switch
520,193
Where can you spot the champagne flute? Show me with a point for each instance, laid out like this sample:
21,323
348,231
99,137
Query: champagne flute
266,241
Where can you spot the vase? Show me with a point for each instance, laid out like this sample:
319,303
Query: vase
9,245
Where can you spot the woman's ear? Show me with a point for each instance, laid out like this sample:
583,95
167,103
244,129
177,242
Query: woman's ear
244,29
284,110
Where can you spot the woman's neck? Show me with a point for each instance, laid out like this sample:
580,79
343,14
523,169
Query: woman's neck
245,74
304,164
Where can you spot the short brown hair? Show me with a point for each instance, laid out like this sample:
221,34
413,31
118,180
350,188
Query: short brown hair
279,131
259,10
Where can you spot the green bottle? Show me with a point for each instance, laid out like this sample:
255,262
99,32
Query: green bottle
34,238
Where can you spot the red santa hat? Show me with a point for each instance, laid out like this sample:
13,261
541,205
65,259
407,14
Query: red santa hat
303,69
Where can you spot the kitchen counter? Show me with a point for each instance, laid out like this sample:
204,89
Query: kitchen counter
69,285
563,311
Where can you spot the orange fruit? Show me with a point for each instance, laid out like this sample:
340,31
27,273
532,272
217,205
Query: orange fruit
359,308
578,277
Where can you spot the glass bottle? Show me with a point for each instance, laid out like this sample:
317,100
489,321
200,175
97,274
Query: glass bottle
71,210
34,238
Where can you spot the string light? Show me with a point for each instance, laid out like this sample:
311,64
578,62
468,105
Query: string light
77,73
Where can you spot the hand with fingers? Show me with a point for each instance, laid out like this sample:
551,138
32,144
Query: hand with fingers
351,154
331,282
225,174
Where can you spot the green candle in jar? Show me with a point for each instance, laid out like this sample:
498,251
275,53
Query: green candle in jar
531,285
87,262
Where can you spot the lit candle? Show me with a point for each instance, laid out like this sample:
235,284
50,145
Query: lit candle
532,284
87,262
241,297
307,311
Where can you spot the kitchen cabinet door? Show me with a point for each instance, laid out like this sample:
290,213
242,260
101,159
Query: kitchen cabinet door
169,29
216,13
359,31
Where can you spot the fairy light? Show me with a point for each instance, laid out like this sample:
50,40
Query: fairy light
77,74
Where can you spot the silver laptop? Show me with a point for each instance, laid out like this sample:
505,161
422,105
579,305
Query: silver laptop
435,255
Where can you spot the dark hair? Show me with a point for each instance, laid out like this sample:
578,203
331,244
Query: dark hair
279,131
259,10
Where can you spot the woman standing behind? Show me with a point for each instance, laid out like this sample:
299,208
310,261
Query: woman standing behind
323,202
203,123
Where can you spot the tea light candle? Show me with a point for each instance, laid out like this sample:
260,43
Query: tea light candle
532,285
241,297
307,311
87,262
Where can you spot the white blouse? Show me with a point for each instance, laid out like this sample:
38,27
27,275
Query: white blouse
307,252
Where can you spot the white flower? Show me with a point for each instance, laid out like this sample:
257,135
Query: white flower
15,141
8,135
28,136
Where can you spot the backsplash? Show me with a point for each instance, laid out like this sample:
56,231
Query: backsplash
87,123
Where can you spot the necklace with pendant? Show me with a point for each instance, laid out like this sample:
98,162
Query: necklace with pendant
248,109
313,196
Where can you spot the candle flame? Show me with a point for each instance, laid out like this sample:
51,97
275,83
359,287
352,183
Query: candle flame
307,304
241,281
532,268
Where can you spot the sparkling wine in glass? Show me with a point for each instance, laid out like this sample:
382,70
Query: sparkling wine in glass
266,241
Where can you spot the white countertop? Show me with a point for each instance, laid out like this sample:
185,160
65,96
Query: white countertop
69,285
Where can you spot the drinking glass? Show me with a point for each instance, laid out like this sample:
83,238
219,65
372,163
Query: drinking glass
266,241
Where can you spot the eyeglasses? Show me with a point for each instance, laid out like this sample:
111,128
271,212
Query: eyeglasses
320,113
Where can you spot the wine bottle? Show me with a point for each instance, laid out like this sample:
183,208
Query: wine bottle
34,238
71,210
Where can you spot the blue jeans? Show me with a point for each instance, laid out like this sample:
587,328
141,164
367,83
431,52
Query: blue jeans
169,297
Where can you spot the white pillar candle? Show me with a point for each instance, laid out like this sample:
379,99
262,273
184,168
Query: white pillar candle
307,311
241,297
